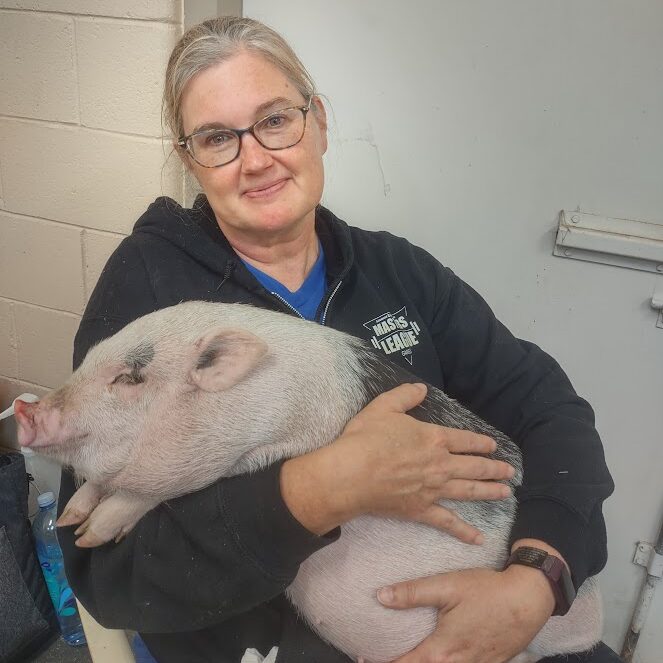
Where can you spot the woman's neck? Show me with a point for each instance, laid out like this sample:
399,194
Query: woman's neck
288,259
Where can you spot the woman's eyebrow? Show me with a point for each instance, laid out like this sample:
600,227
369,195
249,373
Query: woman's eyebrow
260,111
273,104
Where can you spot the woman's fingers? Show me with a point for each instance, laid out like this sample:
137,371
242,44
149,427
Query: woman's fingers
436,591
400,399
462,463
476,468
464,441
468,490
391,464
446,520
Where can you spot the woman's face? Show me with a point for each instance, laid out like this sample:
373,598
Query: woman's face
263,192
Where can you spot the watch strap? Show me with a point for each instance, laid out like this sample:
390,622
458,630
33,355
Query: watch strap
555,571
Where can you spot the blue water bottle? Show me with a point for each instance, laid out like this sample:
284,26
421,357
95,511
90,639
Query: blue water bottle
52,566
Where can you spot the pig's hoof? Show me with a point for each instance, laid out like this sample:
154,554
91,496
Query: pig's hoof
87,536
96,531
82,529
123,532
89,540
70,517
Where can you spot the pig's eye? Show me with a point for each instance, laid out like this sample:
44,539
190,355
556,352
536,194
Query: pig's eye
129,378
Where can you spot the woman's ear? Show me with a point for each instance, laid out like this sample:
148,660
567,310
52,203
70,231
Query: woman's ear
320,115
184,156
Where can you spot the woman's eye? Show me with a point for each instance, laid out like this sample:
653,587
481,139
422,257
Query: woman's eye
217,139
275,121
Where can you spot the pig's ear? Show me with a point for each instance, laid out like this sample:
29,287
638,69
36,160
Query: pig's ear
224,357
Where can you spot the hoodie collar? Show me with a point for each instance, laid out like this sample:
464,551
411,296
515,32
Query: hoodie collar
196,232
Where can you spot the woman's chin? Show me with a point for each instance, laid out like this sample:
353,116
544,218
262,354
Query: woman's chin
280,218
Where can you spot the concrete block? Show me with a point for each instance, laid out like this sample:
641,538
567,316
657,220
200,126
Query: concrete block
9,390
97,249
41,263
2,197
8,354
38,75
45,344
82,176
155,10
121,69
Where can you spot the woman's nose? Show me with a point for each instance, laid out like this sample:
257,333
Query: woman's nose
254,156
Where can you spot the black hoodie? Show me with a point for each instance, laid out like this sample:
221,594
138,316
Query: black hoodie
202,577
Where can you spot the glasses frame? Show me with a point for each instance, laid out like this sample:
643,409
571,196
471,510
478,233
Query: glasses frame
185,141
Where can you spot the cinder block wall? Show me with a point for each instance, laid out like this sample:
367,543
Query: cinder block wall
81,157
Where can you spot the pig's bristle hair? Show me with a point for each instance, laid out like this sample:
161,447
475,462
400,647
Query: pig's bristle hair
79,480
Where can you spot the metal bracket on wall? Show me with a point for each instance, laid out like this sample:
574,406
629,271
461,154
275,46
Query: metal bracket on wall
619,242
657,301
646,556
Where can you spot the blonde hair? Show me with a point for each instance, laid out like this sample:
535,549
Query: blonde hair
215,41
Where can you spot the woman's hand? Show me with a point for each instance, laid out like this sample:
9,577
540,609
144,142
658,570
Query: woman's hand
485,616
388,463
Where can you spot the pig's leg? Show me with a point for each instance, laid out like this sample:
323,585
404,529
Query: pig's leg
81,504
113,518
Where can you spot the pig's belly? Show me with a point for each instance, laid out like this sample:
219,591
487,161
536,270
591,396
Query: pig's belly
335,589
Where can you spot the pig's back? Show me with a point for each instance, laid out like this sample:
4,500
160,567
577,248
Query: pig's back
335,590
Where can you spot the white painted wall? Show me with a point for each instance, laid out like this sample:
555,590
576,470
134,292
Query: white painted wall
466,127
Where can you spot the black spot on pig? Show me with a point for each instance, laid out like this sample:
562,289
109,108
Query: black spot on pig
140,357
209,354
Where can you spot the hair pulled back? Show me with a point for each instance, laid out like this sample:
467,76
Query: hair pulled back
215,41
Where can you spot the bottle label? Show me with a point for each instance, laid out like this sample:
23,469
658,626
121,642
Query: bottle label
67,605
62,597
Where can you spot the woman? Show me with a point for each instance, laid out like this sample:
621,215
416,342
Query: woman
202,579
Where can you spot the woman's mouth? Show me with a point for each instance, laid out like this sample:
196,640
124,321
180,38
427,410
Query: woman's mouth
267,190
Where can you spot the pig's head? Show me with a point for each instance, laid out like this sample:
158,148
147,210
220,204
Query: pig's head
134,395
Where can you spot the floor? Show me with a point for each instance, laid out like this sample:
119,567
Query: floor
61,652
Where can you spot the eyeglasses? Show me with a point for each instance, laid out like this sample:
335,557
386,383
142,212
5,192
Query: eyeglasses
212,148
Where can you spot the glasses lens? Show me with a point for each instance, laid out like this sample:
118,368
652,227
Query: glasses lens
282,129
214,147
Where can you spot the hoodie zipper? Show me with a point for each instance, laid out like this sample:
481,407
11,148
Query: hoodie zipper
334,291
226,275
297,313
286,304
231,266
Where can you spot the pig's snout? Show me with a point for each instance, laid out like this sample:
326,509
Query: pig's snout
25,418
39,424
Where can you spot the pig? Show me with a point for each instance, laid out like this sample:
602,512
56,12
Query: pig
189,394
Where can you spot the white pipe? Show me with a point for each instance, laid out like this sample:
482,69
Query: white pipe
654,572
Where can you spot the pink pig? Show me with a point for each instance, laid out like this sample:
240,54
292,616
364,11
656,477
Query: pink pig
199,391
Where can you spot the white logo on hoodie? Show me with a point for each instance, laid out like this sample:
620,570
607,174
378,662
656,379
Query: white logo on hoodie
393,332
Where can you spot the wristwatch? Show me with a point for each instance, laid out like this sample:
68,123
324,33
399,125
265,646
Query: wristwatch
554,569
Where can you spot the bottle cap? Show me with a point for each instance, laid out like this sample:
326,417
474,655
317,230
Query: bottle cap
46,499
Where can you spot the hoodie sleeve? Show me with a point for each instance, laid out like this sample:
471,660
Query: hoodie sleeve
201,558
522,391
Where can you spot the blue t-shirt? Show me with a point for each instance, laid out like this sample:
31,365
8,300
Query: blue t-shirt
305,300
